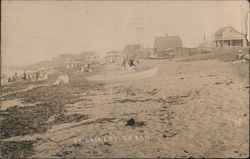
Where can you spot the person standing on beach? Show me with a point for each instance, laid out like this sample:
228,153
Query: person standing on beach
24,76
13,78
29,78
124,63
37,75
9,79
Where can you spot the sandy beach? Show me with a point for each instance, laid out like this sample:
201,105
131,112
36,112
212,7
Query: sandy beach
188,109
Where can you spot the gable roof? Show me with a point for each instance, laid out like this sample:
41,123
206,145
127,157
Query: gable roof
114,52
222,29
168,41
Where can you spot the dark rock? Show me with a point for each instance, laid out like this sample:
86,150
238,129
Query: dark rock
108,144
132,122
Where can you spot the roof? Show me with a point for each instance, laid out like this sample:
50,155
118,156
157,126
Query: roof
164,42
115,52
133,47
222,29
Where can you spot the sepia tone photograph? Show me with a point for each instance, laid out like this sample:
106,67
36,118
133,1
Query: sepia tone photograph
124,79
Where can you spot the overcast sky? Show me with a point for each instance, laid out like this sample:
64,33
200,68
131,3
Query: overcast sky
33,31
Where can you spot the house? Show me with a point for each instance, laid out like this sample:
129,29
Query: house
166,42
87,57
81,61
229,37
136,50
86,61
114,56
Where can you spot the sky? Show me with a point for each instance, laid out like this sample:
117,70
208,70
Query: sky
34,31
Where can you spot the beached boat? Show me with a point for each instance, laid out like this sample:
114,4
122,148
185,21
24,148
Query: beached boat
155,57
160,57
128,76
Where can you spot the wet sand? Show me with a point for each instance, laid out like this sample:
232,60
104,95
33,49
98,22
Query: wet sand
188,109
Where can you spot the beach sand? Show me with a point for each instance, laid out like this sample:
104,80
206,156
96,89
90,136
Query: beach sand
188,109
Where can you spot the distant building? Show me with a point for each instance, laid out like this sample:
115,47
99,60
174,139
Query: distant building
76,62
115,56
87,57
136,50
86,61
167,42
66,58
229,37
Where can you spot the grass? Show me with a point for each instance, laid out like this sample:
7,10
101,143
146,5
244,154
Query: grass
227,55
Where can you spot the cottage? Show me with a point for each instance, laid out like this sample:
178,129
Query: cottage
77,62
229,37
166,42
87,57
115,56
86,61
136,50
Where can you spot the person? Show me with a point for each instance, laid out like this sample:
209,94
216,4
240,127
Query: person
246,57
240,55
45,76
15,75
29,77
131,62
37,75
9,79
24,76
124,63
13,78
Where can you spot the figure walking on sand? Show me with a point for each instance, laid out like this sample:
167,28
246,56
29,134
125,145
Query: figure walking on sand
131,63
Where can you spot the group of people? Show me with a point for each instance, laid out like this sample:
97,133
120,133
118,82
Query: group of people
241,56
30,76
26,76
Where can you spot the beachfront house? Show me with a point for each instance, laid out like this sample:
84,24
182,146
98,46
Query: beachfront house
163,44
83,61
115,56
135,50
229,37
86,61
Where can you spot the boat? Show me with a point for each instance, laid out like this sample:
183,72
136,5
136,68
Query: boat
161,57
131,76
155,57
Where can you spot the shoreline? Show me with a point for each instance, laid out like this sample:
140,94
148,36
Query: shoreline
183,109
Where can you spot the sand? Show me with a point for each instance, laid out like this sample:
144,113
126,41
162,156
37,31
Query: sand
188,109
